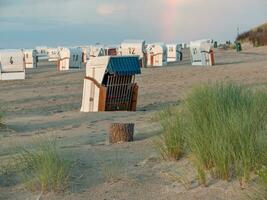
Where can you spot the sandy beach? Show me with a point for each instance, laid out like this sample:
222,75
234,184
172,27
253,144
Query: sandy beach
47,104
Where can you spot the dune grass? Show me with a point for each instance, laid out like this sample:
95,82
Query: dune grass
42,168
259,191
262,173
223,128
170,144
257,36
226,129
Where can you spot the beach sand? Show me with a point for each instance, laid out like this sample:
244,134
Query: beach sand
47,105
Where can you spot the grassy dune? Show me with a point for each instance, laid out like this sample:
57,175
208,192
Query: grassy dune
223,128
39,167
257,36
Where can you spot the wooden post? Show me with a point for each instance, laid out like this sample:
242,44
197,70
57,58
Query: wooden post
102,99
119,133
134,98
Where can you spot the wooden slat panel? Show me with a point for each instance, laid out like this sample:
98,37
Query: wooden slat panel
102,99
134,98
119,93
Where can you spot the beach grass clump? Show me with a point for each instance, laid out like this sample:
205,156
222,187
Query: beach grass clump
170,144
42,168
226,129
262,173
259,191
222,127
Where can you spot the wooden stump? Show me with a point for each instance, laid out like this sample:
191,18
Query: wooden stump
119,133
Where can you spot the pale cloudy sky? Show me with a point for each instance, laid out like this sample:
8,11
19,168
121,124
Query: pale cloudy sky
28,23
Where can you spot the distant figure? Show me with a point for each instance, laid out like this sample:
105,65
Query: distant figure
238,46
11,60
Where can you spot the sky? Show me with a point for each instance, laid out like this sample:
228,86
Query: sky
30,23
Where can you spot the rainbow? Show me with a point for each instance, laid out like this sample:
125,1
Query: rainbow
169,20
